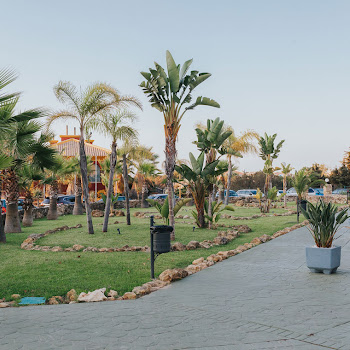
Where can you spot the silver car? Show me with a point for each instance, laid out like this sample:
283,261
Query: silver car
246,193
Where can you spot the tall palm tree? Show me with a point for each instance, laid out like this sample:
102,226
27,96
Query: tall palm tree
169,93
83,107
237,146
268,152
130,151
286,170
117,127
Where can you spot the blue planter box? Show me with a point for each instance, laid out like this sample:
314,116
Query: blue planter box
325,260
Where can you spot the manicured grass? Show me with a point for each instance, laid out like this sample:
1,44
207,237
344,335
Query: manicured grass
36,273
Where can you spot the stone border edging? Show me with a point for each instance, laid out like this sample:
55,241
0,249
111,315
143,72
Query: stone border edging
222,238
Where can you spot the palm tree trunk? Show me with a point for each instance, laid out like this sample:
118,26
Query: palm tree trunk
144,203
113,162
126,190
198,193
189,195
170,155
28,210
284,191
210,200
78,205
12,222
229,175
84,176
52,213
2,231
221,195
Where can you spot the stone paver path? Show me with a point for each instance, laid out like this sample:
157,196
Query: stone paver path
264,298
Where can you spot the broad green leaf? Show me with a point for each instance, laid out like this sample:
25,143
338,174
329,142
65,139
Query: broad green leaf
199,80
173,73
165,208
184,68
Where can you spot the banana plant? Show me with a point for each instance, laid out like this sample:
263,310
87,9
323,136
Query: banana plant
164,209
217,209
114,199
171,94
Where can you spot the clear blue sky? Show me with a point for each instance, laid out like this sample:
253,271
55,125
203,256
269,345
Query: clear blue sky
277,66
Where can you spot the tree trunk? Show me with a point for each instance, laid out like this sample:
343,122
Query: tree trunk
78,205
229,175
170,155
28,210
52,213
221,195
2,231
113,162
189,195
12,222
84,176
285,191
126,190
198,193
144,203
210,200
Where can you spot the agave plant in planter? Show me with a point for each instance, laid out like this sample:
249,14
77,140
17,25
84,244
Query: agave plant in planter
324,222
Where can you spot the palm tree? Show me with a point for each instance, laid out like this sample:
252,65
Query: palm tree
146,172
83,107
116,126
269,152
56,173
27,174
129,151
237,146
23,146
286,170
169,93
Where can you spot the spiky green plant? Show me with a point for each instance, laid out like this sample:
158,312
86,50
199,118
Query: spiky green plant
324,222
164,209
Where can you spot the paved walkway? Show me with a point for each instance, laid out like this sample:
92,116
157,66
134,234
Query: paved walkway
264,298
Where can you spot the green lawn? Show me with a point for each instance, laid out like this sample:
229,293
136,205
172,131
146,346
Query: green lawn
36,273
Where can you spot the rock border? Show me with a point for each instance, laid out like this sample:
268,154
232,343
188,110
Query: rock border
222,238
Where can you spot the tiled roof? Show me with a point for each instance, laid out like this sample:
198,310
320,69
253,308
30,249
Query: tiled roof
70,148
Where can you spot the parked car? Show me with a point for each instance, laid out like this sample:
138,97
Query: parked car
61,199
120,199
279,193
3,204
232,193
312,192
160,196
342,191
315,191
246,193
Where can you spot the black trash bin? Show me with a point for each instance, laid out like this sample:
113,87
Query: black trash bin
161,238
303,204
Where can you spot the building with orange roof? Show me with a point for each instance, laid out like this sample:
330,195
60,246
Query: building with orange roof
68,147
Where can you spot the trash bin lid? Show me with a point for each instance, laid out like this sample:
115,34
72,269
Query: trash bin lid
162,229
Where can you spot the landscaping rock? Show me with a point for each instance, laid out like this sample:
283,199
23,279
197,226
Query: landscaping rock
78,247
129,296
119,213
242,228
97,213
177,246
15,296
220,240
173,275
256,241
265,238
96,295
198,261
71,296
56,249
112,294
55,300
214,258
192,245
2,305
